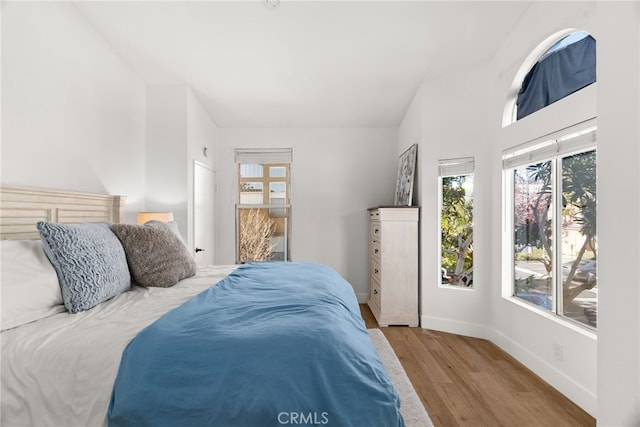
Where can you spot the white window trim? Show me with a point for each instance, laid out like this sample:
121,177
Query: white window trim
456,167
263,155
451,167
272,156
576,138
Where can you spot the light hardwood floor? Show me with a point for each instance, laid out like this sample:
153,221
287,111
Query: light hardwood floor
466,381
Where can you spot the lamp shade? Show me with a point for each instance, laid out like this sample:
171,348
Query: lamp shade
144,217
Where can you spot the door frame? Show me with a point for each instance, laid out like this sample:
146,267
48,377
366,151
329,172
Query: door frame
197,163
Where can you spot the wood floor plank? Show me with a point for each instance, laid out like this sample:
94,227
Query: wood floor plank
461,408
420,354
421,380
464,381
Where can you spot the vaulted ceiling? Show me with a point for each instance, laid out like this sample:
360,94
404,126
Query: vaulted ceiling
303,63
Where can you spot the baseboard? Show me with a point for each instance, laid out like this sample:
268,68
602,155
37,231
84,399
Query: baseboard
362,298
454,326
558,380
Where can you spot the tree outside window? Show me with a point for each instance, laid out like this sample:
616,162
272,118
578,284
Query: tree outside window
456,222
263,213
555,238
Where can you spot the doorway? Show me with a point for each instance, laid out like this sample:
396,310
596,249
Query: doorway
204,188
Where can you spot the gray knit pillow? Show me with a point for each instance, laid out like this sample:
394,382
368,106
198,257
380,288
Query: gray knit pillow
89,261
155,254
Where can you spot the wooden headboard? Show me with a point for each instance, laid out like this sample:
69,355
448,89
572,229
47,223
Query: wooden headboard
21,208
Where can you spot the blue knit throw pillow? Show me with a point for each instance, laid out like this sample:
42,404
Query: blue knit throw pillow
89,260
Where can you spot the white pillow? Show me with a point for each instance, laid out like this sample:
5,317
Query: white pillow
28,284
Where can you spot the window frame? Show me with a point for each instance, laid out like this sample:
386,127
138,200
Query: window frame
509,114
267,158
572,63
573,140
266,179
463,166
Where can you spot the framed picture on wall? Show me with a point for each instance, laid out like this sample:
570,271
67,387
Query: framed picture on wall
406,171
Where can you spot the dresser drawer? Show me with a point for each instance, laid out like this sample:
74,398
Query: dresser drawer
375,231
375,292
374,250
376,270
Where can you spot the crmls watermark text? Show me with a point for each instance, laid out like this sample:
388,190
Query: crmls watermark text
303,418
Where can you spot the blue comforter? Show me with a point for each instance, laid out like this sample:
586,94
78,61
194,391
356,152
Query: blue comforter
272,344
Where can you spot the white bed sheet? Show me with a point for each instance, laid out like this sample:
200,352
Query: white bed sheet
59,371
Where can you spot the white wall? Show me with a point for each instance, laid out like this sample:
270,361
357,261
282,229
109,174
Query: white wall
178,128
454,125
336,175
434,118
618,71
72,110
409,133
166,151
202,138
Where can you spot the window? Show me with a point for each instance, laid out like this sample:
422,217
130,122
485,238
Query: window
456,222
263,212
551,201
567,66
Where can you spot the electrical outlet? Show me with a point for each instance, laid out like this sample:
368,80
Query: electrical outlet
557,351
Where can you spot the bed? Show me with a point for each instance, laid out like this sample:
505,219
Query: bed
262,344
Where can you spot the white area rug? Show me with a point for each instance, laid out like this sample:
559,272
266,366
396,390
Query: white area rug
411,407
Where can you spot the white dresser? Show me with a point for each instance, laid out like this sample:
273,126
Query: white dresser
393,265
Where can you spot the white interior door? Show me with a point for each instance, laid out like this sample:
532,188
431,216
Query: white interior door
204,187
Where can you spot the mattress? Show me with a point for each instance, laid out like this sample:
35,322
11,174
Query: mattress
60,370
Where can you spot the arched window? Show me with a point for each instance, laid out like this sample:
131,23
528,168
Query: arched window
550,182
566,67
